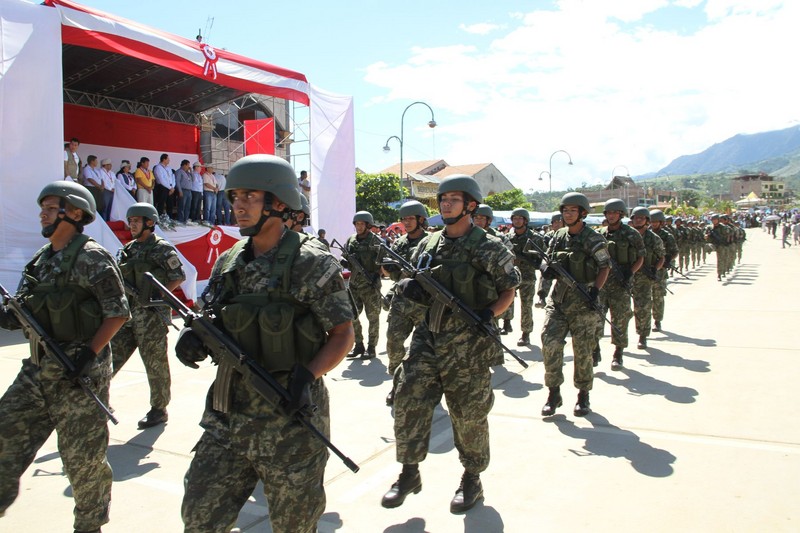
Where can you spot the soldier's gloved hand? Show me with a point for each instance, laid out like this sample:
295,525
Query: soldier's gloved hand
487,317
84,358
300,381
412,290
189,349
345,264
594,292
9,320
547,272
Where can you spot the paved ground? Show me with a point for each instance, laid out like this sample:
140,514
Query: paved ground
697,433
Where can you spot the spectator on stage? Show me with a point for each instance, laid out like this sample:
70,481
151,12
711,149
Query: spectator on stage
93,180
224,207
305,185
183,182
144,181
72,161
210,191
125,179
197,192
165,186
108,188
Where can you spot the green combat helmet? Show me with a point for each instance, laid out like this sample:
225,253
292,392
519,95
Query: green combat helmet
413,208
142,209
640,211
364,216
521,212
459,183
263,172
615,204
657,216
484,210
575,198
75,194
556,217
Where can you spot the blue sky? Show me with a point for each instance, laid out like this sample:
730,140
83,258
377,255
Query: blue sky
619,84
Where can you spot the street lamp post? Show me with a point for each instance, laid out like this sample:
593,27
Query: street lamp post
431,124
550,167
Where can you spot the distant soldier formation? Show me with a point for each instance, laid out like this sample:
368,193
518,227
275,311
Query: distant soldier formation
280,311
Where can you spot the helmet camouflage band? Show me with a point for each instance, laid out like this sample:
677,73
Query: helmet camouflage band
269,173
75,194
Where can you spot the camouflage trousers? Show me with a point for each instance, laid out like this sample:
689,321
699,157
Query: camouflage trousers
543,287
696,247
567,312
684,257
229,462
367,300
642,303
526,292
659,295
31,409
739,246
615,298
404,315
147,331
450,364
723,259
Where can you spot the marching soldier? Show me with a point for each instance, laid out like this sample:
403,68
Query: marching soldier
404,314
670,253
545,284
647,276
364,245
296,292
299,217
684,241
626,251
584,254
527,261
719,235
73,288
482,218
147,329
450,358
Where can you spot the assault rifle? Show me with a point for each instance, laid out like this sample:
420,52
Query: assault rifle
358,269
651,274
567,278
39,337
676,271
146,301
443,299
231,357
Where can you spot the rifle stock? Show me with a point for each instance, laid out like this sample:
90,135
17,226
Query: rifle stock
231,357
39,337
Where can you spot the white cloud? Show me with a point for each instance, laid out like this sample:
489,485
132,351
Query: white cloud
481,28
590,79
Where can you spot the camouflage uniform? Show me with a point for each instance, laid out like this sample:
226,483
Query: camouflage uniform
456,360
255,440
625,246
365,297
545,284
568,312
697,243
508,314
643,283
147,328
683,240
660,287
404,314
527,263
720,237
42,399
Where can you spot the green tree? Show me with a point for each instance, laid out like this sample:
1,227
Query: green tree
374,193
507,200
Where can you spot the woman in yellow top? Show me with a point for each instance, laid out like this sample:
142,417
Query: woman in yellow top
145,180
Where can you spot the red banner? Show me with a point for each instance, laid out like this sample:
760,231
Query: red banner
259,136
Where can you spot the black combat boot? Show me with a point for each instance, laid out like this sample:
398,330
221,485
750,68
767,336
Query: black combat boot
370,353
616,363
506,327
582,407
657,325
153,418
469,492
596,357
358,350
408,482
642,345
524,340
554,401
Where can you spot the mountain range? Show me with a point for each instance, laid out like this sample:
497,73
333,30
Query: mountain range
774,152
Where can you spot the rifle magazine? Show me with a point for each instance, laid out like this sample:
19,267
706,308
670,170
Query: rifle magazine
222,387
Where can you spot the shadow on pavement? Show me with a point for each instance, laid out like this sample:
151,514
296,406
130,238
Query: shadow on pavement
412,525
512,384
640,384
368,372
127,459
657,357
611,441
10,338
670,336
483,518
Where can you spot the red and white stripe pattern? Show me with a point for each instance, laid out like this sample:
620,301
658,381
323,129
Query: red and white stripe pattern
90,28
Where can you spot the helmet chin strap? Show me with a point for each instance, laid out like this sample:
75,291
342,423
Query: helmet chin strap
145,227
50,229
453,220
266,213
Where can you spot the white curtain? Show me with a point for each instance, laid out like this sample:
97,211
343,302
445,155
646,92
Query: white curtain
333,163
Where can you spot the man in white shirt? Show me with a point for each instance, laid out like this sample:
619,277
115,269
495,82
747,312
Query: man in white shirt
72,161
165,186
93,180
108,188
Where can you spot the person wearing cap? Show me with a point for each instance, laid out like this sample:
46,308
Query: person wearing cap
657,221
147,329
647,276
450,357
626,250
73,288
197,193
108,188
404,314
210,190
584,254
527,260
247,438
364,245
183,184
545,284
125,178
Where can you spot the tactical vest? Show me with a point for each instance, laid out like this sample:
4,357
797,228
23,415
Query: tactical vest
66,311
620,248
575,259
365,252
271,326
466,280
134,268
